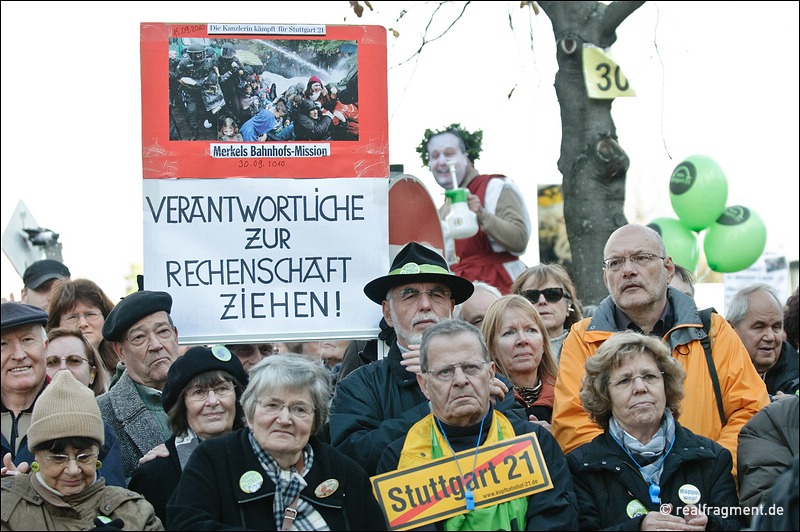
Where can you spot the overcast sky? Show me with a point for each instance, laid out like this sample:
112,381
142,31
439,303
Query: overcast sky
715,78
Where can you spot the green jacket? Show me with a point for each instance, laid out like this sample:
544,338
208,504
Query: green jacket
29,505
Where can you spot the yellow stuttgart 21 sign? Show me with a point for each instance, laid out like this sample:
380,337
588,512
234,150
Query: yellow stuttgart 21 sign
504,471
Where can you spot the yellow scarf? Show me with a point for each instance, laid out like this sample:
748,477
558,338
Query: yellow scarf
422,445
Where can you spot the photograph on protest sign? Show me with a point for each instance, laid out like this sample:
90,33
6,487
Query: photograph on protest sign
263,100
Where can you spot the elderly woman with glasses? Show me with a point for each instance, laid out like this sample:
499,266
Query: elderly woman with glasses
69,349
201,399
275,474
63,490
646,471
517,340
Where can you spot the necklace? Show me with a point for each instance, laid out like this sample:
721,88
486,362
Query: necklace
530,395
468,495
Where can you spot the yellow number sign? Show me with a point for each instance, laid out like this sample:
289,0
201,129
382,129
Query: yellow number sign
604,78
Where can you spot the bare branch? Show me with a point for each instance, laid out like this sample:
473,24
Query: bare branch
615,13
426,40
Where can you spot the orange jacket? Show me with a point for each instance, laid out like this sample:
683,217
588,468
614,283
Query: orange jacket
743,391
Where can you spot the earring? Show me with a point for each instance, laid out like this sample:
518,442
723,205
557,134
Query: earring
35,467
98,464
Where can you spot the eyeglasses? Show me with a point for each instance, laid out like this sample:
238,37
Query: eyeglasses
63,459
73,361
640,259
296,410
471,368
198,394
412,295
248,350
551,295
74,319
139,338
625,383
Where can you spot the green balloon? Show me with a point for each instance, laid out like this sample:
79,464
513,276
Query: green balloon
698,190
679,240
735,241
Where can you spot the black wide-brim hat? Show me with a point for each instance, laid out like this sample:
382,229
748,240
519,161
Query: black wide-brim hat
416,263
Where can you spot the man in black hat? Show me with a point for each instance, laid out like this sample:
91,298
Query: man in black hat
142,334
378,403
23,375
38,281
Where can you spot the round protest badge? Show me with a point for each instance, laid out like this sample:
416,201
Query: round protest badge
635,509
251,481
689,494
221,352
327,488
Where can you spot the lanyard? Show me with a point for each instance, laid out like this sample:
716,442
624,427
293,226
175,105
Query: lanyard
654,489
468,495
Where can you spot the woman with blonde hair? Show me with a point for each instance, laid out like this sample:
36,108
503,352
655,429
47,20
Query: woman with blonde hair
518,343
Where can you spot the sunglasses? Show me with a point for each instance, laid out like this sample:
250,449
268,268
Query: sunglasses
551,295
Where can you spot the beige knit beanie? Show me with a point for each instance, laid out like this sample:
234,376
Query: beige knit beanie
65,409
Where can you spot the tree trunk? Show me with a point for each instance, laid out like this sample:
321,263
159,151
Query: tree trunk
592,163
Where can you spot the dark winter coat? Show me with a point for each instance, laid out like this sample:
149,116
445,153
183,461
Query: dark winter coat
209,496
768,444
607,482
157,479
377,404
552,509
784,376
306,128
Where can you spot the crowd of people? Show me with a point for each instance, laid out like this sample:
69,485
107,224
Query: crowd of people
221,98
649,414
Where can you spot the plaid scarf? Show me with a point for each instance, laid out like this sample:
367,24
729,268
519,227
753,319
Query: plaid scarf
650,456
288,485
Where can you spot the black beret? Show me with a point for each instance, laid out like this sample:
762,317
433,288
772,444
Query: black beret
43,270
14,314
131,309
196,361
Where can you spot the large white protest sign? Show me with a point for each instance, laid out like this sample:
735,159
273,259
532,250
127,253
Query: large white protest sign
257,259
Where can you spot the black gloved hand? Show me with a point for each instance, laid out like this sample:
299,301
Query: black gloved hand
116,524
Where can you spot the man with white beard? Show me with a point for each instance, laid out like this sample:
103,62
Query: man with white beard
377,403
